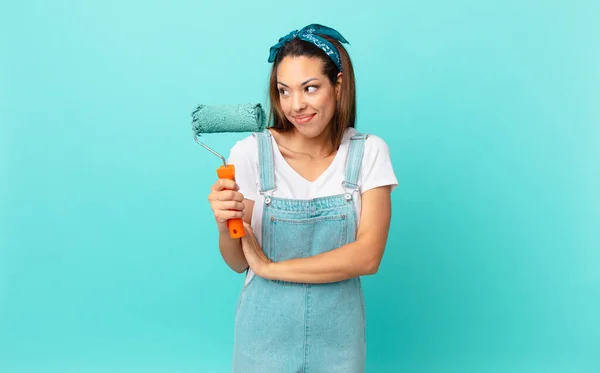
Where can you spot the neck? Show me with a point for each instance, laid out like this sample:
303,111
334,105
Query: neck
318,147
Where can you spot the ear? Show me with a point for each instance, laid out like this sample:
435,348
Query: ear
338,85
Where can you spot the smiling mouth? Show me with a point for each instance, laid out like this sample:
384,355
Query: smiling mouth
302,119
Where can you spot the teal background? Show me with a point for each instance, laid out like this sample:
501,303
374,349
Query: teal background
108,250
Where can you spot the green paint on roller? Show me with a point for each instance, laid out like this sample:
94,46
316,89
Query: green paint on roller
228,118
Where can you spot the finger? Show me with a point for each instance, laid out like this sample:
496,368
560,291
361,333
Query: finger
226,207
229,195
230,205
224,184
223,215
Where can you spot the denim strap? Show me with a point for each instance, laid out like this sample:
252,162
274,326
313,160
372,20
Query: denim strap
265,161
353,163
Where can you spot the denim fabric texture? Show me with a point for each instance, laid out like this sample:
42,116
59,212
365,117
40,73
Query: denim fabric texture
284,327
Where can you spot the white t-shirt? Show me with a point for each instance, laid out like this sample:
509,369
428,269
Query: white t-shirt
376,170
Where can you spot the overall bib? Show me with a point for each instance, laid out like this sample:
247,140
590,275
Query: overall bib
284,327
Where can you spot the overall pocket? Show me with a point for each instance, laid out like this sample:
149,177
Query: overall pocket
301,238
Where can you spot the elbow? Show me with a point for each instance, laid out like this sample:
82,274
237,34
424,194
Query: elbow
369,252
370,259
371,266
240,270
238,267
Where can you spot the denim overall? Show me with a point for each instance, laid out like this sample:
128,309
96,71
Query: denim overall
285,327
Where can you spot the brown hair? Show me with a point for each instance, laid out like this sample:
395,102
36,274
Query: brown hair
345,111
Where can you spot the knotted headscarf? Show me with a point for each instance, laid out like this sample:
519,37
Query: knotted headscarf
311,34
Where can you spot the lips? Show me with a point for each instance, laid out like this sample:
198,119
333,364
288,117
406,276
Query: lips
302,119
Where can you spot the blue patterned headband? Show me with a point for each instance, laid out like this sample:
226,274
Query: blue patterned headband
311,34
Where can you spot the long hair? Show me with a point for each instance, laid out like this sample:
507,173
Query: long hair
345,111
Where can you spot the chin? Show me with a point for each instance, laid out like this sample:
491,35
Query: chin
309,131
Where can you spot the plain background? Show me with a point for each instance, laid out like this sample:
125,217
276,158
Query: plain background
109,258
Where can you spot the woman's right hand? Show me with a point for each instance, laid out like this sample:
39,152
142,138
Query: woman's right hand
226,202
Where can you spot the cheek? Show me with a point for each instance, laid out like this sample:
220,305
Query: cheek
328,105
285,106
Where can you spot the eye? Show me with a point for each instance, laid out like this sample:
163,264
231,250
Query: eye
312,88
283,92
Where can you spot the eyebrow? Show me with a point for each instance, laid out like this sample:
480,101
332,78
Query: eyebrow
308,81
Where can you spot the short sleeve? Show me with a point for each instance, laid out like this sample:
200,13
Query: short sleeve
243,155
376,168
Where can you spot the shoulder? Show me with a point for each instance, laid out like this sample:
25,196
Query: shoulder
246,147
248,143
373,143
376,168
244,151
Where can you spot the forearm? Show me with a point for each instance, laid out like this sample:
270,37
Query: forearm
231,251
348,261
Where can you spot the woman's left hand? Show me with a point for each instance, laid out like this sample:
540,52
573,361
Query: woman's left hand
255,256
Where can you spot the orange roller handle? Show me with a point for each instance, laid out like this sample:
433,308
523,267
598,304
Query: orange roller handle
236,225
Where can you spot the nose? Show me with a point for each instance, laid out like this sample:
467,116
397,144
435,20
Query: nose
298,103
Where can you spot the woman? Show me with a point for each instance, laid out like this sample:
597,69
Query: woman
315,198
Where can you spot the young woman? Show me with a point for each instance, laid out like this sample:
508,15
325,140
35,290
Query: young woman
315,197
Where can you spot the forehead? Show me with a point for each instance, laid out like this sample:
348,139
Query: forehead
298,69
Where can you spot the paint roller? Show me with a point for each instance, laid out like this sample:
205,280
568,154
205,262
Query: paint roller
227,118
